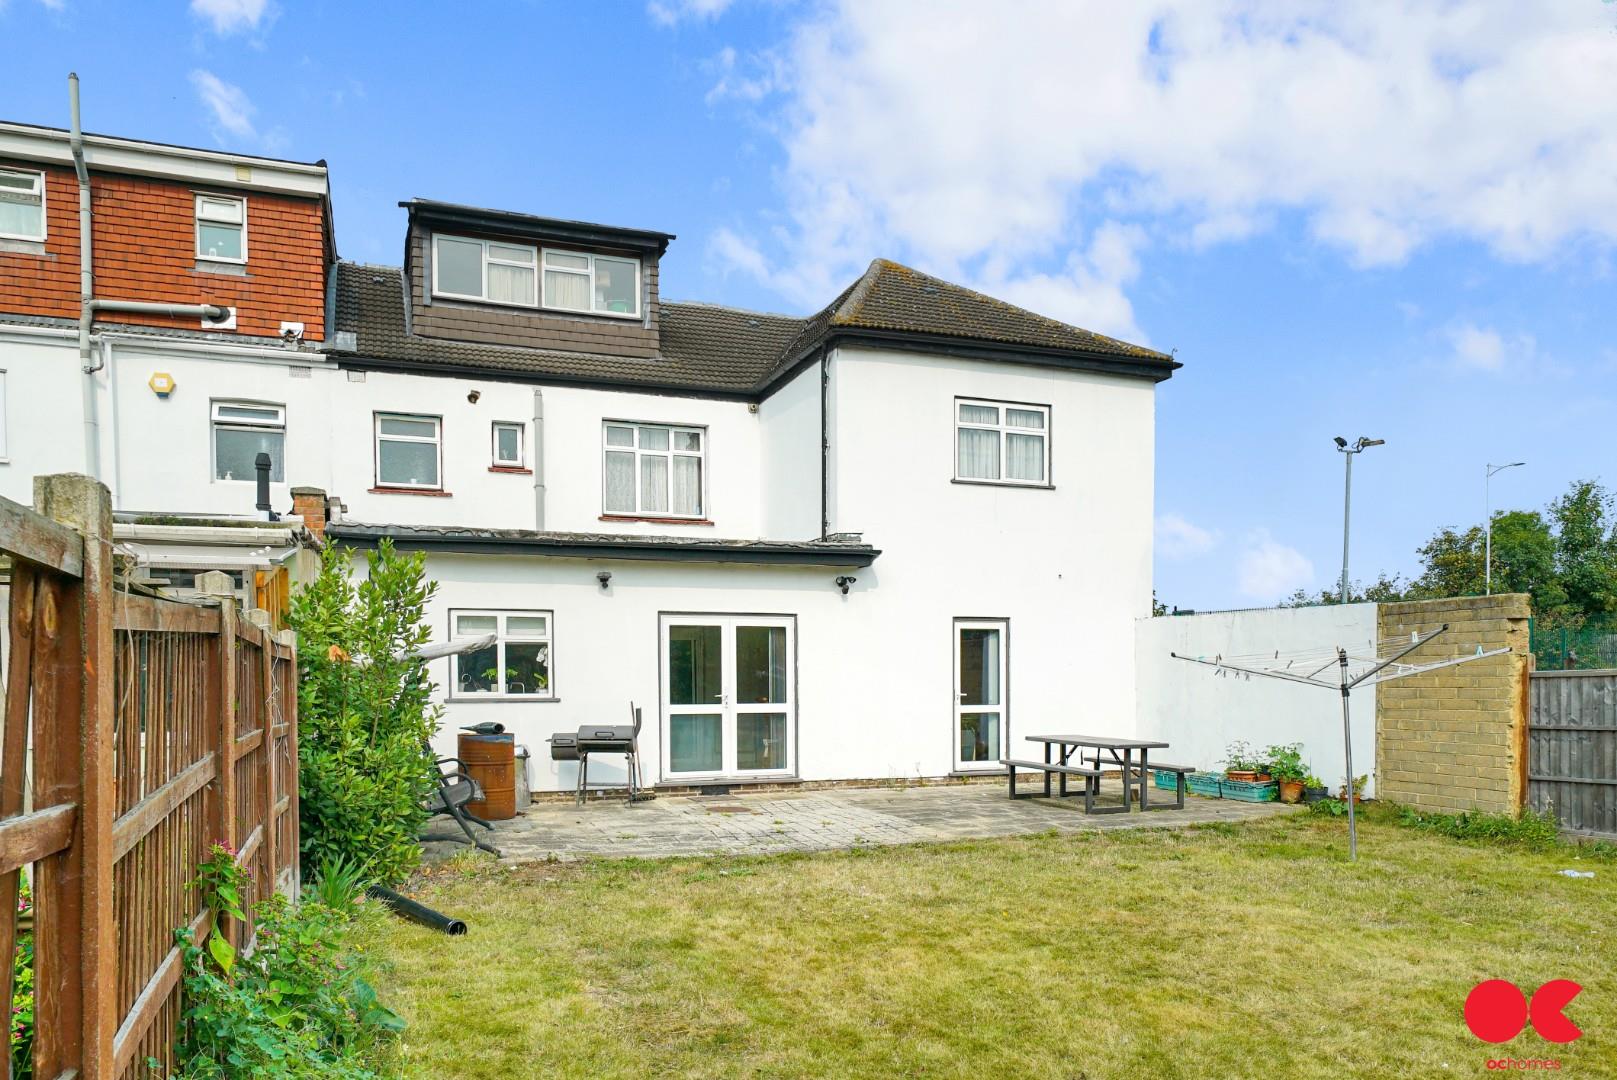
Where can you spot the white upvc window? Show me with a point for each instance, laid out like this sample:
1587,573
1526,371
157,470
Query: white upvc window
22,204
1002,442
656,470
593,284
409,451
221,228
241,431
516,665
507,444
485,270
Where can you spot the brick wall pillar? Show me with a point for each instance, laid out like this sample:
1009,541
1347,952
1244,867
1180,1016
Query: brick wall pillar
1456,738
309,503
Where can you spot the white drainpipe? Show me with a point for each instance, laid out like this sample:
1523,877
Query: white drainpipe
538,459
89,305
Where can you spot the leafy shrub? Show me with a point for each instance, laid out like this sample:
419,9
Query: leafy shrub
296,1007
364,716
1531,830
1329,808
1285,762
21,1012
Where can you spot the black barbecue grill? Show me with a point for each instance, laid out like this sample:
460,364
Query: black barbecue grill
601,739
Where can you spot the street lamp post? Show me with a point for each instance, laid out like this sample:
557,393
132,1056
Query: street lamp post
1487,501
1348,450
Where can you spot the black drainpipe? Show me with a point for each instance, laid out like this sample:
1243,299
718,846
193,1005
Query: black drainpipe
261,466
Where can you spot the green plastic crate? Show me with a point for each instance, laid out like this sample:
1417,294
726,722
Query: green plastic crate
1245,791
1209,784
1167,781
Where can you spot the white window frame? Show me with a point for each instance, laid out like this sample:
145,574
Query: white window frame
501,638
537,266
1004,430
437,441
44,217
670,453
205,196
639,271
236,423
521,461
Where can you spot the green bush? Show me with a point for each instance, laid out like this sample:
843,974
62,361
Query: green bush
296,1007
364,717
21,1027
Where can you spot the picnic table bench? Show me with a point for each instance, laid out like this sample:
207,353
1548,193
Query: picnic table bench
1119,752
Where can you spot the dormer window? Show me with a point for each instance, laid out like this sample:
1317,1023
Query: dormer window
485,270
593,284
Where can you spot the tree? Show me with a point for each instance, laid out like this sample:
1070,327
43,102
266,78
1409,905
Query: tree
1586,548
1383,590
364,716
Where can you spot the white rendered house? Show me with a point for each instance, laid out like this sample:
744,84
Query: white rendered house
882,541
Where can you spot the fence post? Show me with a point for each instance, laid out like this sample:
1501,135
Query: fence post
74,763
222,827
267,710
289,704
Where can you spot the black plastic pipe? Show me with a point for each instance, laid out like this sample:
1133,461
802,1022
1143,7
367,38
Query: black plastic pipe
421,913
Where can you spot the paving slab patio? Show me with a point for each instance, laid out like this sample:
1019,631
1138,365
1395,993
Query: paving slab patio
781,821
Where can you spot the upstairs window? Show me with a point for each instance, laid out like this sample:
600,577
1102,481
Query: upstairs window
408,451
654,470
221,228
596,284
241,431
22,205
1002,442
517,664
508,445
486,270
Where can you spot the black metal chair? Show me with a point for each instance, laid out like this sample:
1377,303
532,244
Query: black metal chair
456,788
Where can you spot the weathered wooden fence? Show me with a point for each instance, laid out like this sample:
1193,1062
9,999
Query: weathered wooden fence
155,728
1572,749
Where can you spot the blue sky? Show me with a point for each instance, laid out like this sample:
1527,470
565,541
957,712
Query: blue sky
1397,223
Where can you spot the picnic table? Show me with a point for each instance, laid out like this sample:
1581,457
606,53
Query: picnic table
1108,750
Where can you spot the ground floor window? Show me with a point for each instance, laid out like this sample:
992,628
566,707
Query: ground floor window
516,665
980,713
729,695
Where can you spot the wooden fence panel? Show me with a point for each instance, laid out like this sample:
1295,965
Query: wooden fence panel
1572,749
157,728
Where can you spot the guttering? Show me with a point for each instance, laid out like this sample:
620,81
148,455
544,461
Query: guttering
539,459
573,546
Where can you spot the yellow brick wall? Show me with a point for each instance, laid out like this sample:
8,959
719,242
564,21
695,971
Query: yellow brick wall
1456,738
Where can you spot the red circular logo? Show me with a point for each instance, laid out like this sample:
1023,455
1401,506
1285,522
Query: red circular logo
1496,1011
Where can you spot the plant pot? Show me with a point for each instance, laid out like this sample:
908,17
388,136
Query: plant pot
1265,778
1291,791
1315,794
1246,776
1357,798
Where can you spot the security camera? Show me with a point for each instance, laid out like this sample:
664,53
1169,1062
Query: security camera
843,581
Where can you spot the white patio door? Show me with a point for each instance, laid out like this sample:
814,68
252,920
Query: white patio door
729,696
980,714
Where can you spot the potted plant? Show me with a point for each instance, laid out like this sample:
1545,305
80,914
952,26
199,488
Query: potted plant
1285,764
1239,762
1358,789
1314,789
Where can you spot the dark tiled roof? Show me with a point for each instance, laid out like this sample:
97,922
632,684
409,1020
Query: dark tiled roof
833,552
716,349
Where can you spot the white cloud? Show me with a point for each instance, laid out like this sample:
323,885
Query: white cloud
670,12
228,106
991,144
1177,538
233,16
1270,570
1479,348
752,79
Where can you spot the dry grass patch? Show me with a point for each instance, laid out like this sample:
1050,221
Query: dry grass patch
1215,951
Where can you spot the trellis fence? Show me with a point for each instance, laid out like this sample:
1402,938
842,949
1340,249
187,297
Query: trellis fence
154,728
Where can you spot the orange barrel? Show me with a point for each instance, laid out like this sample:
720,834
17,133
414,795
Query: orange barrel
491,761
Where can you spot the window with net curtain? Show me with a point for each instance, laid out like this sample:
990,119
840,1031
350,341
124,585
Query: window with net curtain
596,284
470,269
241,431
654,470
1002,442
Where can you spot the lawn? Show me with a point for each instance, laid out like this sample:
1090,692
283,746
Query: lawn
1219,951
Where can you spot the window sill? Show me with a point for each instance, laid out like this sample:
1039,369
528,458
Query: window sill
431,492
510,470
231,269
1003,484
500,699
17,245
656,520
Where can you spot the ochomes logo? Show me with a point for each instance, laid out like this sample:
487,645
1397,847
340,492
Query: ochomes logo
1496,1011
